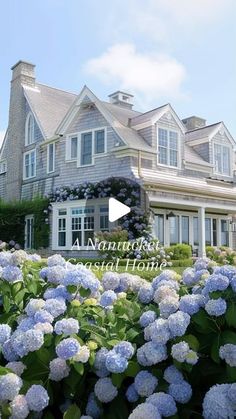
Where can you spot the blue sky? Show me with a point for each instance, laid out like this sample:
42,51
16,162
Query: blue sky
176,51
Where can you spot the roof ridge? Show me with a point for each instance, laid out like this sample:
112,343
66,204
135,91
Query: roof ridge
57,88
151,110
206,126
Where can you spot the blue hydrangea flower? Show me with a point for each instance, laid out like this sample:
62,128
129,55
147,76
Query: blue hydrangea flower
67,348
163,292
232,393
124,349
45,328
233,283
172,375
100,363
178,323
216,307
108,298
189,304
181,392
145,410
201,263
147,318
37,398
164,403
216,283
19,407
17,367
145,294
216,403
179,351
25,342
58,369
189,278
5,333
105,390
110,281
168,306
8,351
228,353
168,277
34,305
151,354
55,306
115,363
26,324
72,277
66,326
43,316
228,271
92,407
58,292
55,260
145,383
158,331
90,282
10,385
131,394
54,274
12,274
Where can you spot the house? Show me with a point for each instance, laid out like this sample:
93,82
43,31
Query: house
55,138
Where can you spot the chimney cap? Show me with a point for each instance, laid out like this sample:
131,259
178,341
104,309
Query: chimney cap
122,92
22,62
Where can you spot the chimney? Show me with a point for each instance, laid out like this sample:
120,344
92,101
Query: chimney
194,122
120,98
23,72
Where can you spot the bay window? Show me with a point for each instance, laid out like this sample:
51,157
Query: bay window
167,147
222,159
29,169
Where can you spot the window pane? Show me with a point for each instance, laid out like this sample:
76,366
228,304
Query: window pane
163,155
208,231
226,161
86,148
185,230
88,229
173,140
173,158
217,157
159,224
74,147
224,233
195,231
162,137
61,232
214,231
174,229
104,224
99,142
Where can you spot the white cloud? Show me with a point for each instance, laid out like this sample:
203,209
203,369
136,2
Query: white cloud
2,135
149,76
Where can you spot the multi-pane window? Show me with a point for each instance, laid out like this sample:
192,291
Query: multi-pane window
86,149
84,146
82,225
104,222
29,164
222,159
185,229
3,167
29,130
61,232
224,233
168,147
51,158
174,229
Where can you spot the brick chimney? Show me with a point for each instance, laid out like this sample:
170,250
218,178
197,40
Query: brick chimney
22,75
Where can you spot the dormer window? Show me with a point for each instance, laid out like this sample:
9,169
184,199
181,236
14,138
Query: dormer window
168,147
29,129
222,159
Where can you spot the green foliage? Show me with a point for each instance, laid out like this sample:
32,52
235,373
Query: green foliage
222,254
179,251
113,243
13,227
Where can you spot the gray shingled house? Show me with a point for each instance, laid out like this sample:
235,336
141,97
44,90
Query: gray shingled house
55,138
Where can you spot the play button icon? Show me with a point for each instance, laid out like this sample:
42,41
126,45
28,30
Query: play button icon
117,209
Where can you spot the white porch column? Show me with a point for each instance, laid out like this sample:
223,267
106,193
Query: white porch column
202,232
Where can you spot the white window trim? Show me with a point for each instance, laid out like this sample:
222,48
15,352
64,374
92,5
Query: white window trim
78,135
3,166
68,206
24,171
54,156
162,126
191,216
231,154
27,143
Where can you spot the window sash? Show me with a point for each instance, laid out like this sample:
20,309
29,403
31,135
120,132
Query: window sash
30,164
86,151
29,132
167,147
73,148
222,159
99,140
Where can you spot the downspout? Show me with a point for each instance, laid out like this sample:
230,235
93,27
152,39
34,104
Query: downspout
139,164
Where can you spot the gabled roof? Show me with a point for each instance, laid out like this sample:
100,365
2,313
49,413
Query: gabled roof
191,156
49,106
209,131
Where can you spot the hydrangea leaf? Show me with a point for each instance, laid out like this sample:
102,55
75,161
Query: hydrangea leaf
73,412
230,315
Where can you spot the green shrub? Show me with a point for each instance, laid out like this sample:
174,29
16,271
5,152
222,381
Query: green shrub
179,251
114,243
222,254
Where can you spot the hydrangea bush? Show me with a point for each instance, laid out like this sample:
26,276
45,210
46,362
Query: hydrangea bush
76,347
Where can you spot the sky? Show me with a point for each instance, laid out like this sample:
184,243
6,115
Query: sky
177,51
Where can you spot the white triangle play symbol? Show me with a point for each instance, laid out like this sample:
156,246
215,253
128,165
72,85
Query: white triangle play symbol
117,209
